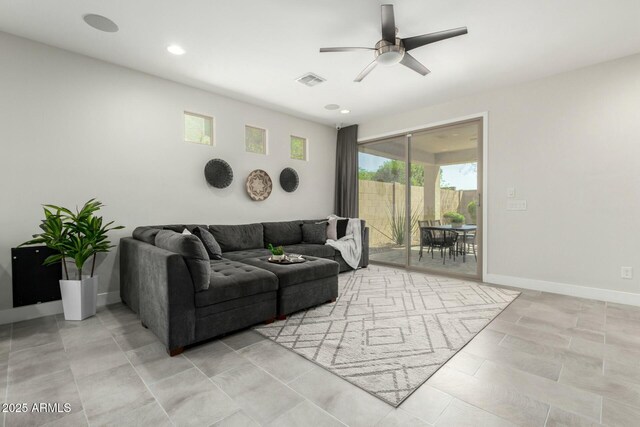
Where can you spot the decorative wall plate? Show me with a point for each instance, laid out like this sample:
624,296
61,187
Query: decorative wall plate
218,173
259,185
289,180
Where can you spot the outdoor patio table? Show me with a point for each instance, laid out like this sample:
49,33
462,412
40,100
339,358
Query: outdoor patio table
464,229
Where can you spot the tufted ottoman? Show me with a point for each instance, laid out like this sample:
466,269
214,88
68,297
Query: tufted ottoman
303,285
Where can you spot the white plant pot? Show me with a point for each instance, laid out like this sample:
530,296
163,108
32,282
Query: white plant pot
79,297
277,257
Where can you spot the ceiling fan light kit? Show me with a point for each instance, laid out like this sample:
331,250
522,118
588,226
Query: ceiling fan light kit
392,50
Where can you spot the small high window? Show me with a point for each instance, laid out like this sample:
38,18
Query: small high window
299,149
198,129
255,140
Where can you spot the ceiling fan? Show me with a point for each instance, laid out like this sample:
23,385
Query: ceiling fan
391,49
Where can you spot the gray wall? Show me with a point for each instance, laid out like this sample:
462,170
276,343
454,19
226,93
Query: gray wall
73,128
570,145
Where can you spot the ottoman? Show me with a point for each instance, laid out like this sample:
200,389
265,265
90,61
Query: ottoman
302,285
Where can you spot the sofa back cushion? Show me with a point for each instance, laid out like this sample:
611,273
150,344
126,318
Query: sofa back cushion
282,233
193,252
314,233
146,234
179,228
238,237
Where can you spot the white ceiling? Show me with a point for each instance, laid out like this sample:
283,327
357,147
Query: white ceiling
254,50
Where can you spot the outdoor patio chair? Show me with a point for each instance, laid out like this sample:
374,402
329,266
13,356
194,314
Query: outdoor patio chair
424,241
443,239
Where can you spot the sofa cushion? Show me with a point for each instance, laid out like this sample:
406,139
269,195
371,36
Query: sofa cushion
210,244
320,251
240,255
238,237
282,233
193,252
179,228
314,233
295,274
230,280
146,234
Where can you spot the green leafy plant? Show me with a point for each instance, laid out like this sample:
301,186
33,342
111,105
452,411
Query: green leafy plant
77,236
472,208
454,217
279,250
398,223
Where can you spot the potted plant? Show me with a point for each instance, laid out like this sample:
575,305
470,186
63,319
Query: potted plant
472,208
77,237
277,253
454,218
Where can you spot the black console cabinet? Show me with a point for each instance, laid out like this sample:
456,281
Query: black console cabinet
33,282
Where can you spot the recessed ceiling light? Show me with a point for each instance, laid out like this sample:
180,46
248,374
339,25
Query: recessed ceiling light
331,106
345,111
100,23
176,50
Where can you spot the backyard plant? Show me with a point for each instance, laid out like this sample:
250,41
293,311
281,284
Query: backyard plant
75,236
454,217
398,223
277,251
472,208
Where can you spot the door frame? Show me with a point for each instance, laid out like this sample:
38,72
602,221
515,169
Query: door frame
483,180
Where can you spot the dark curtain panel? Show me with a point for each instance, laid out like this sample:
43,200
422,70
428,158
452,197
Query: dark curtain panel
347,172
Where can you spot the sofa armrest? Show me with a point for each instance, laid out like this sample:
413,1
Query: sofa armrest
160,282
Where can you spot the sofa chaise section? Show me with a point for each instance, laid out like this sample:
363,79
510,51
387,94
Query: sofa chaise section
157,284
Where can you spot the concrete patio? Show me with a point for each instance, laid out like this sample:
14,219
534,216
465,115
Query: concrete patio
397,255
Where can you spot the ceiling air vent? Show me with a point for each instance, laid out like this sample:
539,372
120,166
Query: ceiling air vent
310,79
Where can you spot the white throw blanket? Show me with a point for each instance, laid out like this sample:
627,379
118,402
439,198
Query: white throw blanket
350,246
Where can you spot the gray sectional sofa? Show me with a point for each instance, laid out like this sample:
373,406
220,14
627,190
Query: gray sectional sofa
185,298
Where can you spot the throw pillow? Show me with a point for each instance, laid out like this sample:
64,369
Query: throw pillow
314,233
341,228
210,243
332,231
193,252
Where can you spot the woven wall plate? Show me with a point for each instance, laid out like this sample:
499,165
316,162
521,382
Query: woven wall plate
259,185
218,173
289,180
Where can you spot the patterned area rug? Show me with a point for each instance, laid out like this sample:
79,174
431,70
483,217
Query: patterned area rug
390,329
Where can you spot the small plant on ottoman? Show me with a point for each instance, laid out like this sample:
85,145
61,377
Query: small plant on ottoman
277,253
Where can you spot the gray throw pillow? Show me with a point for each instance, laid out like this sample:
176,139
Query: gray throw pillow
210,243
193,252
314,233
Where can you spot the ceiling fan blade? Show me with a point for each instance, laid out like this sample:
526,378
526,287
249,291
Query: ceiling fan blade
417,41
344,49
411,62
388,23
366,71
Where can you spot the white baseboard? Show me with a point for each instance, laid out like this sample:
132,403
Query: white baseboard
565,289
27,312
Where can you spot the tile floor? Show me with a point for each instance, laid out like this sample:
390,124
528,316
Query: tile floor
546,360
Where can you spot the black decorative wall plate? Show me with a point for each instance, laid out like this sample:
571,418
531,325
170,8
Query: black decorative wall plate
289,180
218,173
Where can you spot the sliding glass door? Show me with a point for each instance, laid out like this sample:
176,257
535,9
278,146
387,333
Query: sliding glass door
420,194
382,198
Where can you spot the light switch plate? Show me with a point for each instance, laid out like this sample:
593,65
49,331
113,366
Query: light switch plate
516,205
511,192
